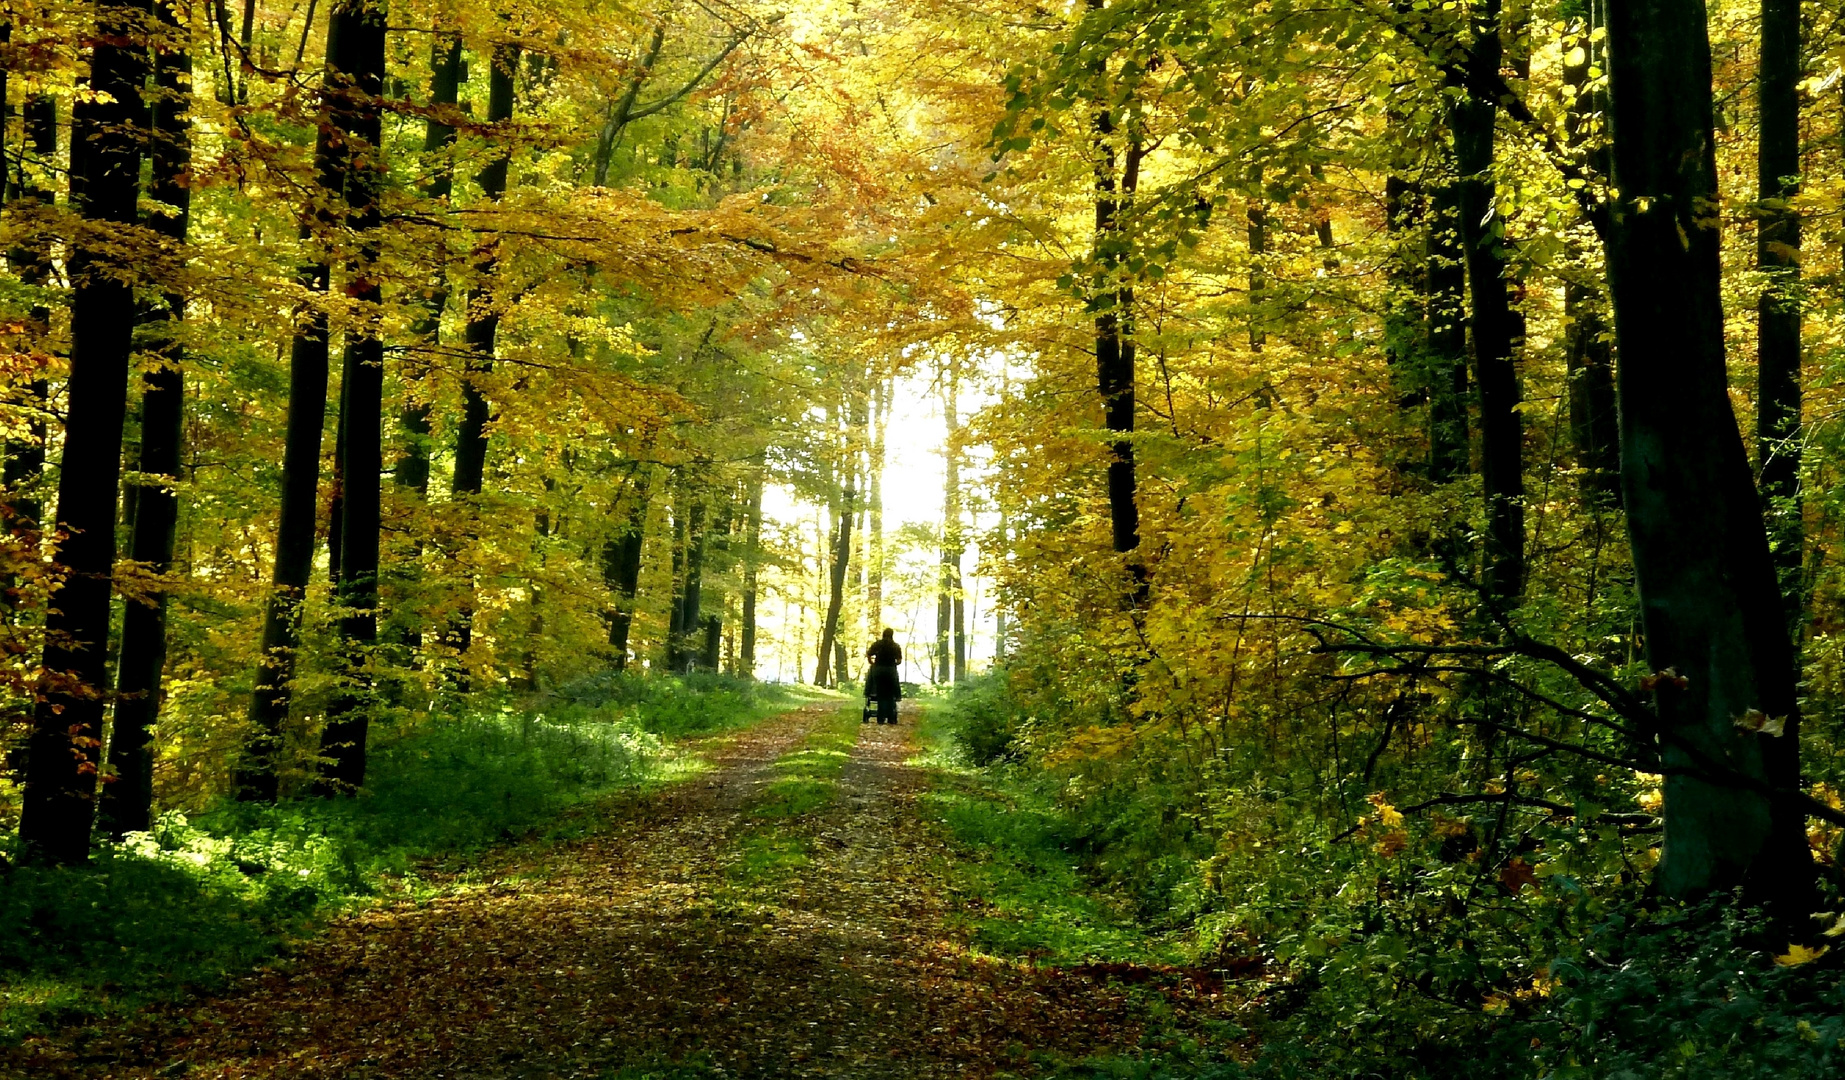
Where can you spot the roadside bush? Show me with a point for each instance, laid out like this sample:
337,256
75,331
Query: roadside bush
983,719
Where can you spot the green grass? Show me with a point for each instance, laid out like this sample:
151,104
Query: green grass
807,780
196,901
1019,876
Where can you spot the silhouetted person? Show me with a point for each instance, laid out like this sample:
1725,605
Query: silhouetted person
883,684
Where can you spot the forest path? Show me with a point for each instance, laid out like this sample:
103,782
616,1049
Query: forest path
784,914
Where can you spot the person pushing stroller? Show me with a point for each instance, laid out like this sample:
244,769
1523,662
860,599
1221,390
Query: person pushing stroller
883,685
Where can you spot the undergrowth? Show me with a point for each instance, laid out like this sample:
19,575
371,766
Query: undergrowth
198,899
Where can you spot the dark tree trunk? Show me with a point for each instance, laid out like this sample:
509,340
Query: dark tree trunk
874,547
1777,255
24,470
1710,604
1258,270
483,318
622,563
691,623
1444,368
1502,432
752,558
676,611
1114,345
342,741
1594,427
127,804
256,777
107,126
836,598
411,471
710,655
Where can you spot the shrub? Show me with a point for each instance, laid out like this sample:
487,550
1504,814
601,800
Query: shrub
983,719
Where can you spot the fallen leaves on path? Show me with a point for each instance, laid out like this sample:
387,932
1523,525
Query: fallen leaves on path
635,946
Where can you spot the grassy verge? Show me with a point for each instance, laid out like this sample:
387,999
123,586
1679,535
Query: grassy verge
195,901
1019,881
806,780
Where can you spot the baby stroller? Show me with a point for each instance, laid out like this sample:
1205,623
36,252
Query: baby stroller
883,689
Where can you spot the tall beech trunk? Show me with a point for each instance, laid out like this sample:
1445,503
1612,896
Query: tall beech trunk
874,540
952,610
1444,367
1710,604
342,741
411,470
1777,255
1114,342
24,468
127,804
676,609
483,318
836,598
1502,431
622,565
256,776
752,561
107,128
1594,428
691,597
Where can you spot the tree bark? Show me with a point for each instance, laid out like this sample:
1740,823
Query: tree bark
127,803
1502,432
692,600
842,555
342,742
1777,256
1444,368
62,753
1594,428
483,319
256,776
752,559
1710,604
622,563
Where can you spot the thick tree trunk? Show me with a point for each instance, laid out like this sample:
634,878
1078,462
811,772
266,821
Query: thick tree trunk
106,131
622,566
127,804
1502,432
836,599
342,742
1777,255
483,319
1710,605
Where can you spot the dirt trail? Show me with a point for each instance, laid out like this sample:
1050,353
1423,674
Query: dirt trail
636,947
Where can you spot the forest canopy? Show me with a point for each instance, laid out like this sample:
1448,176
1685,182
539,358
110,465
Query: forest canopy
1388,452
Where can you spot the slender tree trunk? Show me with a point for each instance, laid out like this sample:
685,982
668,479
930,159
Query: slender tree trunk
342,742
127,804
1445,366
1594,428
874,548
1777,255
24,470
256,776
954,538
1502,432
1258,270
1114,338
842,556
59,802
1710,604
411,471
691,620
675,627
483,318
752,559
623,559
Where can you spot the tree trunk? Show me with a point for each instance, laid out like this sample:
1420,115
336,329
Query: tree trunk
1710,605
692,600
752,559
874,547
622,562
106,131
1444,369
676,611
483,319
1502,433
256,777
1594,428
842,555
1777,255
1114,343
342,742
127,803
954,540
24,470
